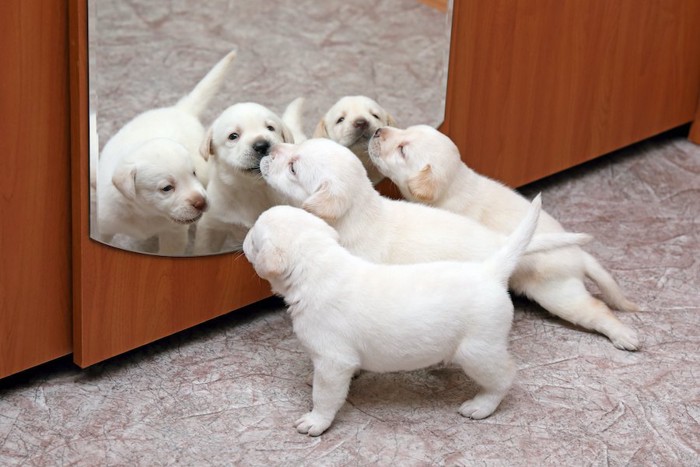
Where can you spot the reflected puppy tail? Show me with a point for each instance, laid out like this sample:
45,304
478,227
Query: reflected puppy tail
292,117
503,262
198,99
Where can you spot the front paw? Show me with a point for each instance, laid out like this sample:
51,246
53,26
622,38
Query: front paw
312,424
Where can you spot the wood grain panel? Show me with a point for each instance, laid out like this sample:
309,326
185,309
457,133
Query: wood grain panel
694,135
537,86
35,305
123,300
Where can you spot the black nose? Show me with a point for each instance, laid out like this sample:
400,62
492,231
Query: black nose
261,147
360,123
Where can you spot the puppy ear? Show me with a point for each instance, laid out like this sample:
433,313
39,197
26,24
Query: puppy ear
270,261
321,131
326,204
206,149
422,186
124,179
287,136
390,120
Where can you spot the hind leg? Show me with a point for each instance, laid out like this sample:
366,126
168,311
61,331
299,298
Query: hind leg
489,364
569,299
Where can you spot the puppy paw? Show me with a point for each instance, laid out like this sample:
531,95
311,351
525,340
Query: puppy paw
625,339
312,424
478,408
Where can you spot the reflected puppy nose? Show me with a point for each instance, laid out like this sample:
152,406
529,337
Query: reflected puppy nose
261,147
360,123
199,203
378,133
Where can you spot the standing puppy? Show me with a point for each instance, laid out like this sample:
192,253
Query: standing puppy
350,314
351,122
426,166
150,178
234,145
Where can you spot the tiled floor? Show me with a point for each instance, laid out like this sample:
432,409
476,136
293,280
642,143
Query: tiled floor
227,392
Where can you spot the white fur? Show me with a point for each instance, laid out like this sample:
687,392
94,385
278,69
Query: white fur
146,182
426,166
351,314
234,145
352,121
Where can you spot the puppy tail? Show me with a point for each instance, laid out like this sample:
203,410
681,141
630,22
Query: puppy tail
553,241
293,116
197,100
612,294
503,262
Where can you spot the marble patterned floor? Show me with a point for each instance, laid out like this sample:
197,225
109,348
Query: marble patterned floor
227,392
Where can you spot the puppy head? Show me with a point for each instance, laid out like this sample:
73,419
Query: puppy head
242,135
318,175
352,121
419,160
281,237
159,179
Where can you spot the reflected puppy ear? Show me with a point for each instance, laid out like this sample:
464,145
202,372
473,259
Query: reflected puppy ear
270,261
423,186
325,204
124,179
287,136
206,149
321,131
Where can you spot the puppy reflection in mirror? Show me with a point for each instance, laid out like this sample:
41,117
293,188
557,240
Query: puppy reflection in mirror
150,179
234,145
352,121
426,166
351,314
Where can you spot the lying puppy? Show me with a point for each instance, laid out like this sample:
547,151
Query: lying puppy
351,314
234,145
351,122
148,175
426,166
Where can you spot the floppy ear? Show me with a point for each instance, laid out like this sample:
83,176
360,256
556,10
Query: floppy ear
270,261
124,179
422,186
287,136
390,120
206,149
326,204
321,131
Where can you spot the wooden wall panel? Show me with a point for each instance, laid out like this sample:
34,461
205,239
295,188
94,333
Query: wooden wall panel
35,305
123,300
537,86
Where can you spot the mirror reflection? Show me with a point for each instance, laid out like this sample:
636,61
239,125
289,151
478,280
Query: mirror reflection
187,96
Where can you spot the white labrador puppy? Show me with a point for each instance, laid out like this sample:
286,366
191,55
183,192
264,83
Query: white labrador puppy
426,166
148,175
351,314
352,121
234,145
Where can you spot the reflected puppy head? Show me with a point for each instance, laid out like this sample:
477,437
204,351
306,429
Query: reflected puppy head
352,120
279,237
242,135
419,160
319,175
159,178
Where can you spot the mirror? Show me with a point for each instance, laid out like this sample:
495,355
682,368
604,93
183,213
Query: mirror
148,185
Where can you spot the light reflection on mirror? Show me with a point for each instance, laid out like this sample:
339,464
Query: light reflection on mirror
149,184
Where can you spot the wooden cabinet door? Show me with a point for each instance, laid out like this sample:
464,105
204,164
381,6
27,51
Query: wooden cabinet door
537,86
35,301
123,300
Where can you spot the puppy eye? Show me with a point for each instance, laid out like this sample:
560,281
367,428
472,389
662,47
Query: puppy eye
375,116
194,172
291,168
167,188
401,151
340,120
271,128
233,136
